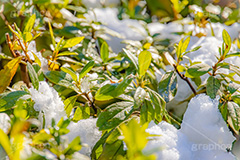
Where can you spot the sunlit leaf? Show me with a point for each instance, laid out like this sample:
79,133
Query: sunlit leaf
144,61
8,72
114,115
213,85
33,76
104,51
86,69
28,27
72,42
69,104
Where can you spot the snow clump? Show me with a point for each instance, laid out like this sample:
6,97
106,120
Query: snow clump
48,103
128,29
4,122
88,132
203,134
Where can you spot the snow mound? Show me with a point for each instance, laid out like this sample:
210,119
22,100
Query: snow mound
204,126
88,132
48,103
203,134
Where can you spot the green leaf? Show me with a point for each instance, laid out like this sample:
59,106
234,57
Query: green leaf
113,147
122,86
167,85
105,92
110,91
74,146
144,61
70,72
33,76
136,138
52,34
108,146
72,42
8,100
213,85
227,40
132,57
179,47
237,54
8,72
234,112
185,45
67,53
198,70
27,36
86,69
28,27
147,113
224,111
159,106
61,78
69,104
139,97
104,52
82,112
114,115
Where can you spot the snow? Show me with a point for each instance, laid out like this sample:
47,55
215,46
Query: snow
100,3
50,106
123,27
88,132
5,122
203,134
48,103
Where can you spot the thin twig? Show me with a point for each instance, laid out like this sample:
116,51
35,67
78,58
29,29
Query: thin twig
185,79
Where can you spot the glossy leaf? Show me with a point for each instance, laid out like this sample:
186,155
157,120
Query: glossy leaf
28,27
61,78
198,70
114,115
87,68
70,72
72,42
104,52
8,100
213,85
227,40
132,57
144,61
33,76
234,112
69,104
8,72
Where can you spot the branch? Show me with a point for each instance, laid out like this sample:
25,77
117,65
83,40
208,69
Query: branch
185,79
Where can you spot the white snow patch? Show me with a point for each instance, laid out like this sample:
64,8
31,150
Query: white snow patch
100,3
5,122
203,134
48,103
123,27
88,132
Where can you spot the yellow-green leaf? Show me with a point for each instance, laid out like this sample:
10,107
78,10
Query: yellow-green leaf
144,61
30,23
69,71
73,42
5,143
104,51
8,72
